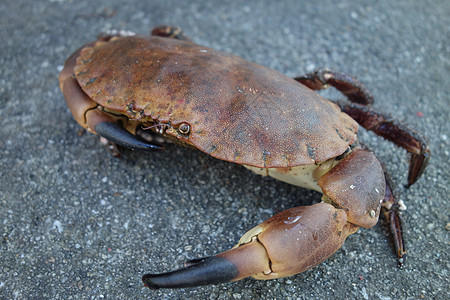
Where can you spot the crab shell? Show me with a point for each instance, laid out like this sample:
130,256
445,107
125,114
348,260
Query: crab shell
236,110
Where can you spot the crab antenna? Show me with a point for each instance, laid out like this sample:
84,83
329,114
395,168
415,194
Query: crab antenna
119,135
212,270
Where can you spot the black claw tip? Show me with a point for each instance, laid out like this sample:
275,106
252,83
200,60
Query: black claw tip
212,270
119,135
147,279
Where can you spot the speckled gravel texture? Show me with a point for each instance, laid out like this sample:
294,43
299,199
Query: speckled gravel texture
77,223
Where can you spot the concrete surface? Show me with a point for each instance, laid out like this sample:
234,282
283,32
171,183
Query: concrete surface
77,223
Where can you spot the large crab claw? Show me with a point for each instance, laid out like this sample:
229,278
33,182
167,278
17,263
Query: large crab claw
299,238
90,115
290,242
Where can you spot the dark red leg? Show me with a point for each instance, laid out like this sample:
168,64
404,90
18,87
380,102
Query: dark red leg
390,209
169,32
354,90
395,132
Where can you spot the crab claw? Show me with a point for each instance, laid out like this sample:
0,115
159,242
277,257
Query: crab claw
289,243
116,133
93,119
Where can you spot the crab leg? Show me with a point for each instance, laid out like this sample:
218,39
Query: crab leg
395,132
390,209
290,242
354,90
169,32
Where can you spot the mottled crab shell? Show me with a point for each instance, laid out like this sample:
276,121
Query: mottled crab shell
238,111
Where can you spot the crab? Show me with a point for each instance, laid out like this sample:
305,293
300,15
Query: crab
123,86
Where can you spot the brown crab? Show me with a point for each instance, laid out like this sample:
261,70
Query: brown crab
234,110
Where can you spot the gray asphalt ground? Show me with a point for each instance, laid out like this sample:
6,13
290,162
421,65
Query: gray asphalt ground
77,223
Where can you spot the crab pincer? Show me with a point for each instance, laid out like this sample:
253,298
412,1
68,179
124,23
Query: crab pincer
290,242
299,238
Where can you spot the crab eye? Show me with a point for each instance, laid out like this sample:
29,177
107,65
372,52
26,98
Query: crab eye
184,128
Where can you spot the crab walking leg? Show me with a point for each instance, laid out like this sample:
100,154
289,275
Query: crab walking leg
172,32
395,132
390,209
354,90
289,243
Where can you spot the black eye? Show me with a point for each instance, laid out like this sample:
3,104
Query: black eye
184,128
